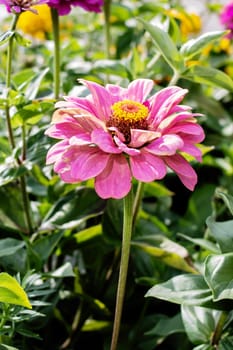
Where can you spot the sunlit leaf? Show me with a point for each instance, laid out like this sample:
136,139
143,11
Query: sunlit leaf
209,76
194,46
5,37
165,45
11,292
87,234
166,250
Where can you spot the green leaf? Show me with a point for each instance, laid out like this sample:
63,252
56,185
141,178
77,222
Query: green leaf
22,40
13,219
156,189
226,343
222,232
87,234
218,275
167,325
227,198
95,325
73,209
199,323
10,246
34,85
5,37
204,243
166,250
11,292
195,46
44,246
183,289
204,347
165,46
65,270
11,172
209,76
7,347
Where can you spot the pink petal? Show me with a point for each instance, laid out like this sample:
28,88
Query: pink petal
183,169
147,167
173,119
166,145
89,162
140,137
188,128
56,151
139,89
104,141
115,180
64,130
101,99
192,150
73,102
124,148
163,102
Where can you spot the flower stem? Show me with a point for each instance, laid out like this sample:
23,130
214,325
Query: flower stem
138,200
8,82
175,78
125,252
56,38
219,328
107,8
25,198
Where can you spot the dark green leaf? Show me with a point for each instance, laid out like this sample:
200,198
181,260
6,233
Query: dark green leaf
44,246
218,275
73,209
203,243
183,289
227,198
199,323
223,233
167,325
9,246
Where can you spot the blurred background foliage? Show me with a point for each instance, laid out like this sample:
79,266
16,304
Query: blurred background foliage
68,260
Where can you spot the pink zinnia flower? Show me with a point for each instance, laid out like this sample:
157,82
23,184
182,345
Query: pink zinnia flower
118,133
226,18
18,6
64,6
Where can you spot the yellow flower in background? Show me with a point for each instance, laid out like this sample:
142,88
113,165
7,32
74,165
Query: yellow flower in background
36,25
190,23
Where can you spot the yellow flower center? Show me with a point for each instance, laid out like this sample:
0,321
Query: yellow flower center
128,115
129,111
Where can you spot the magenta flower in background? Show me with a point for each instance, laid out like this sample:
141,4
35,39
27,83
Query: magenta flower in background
64,6
118,133
226,18
17,6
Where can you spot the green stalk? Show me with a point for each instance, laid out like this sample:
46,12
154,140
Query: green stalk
8,81
125,252
107,12
25,198
56,39
138,200
219,328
